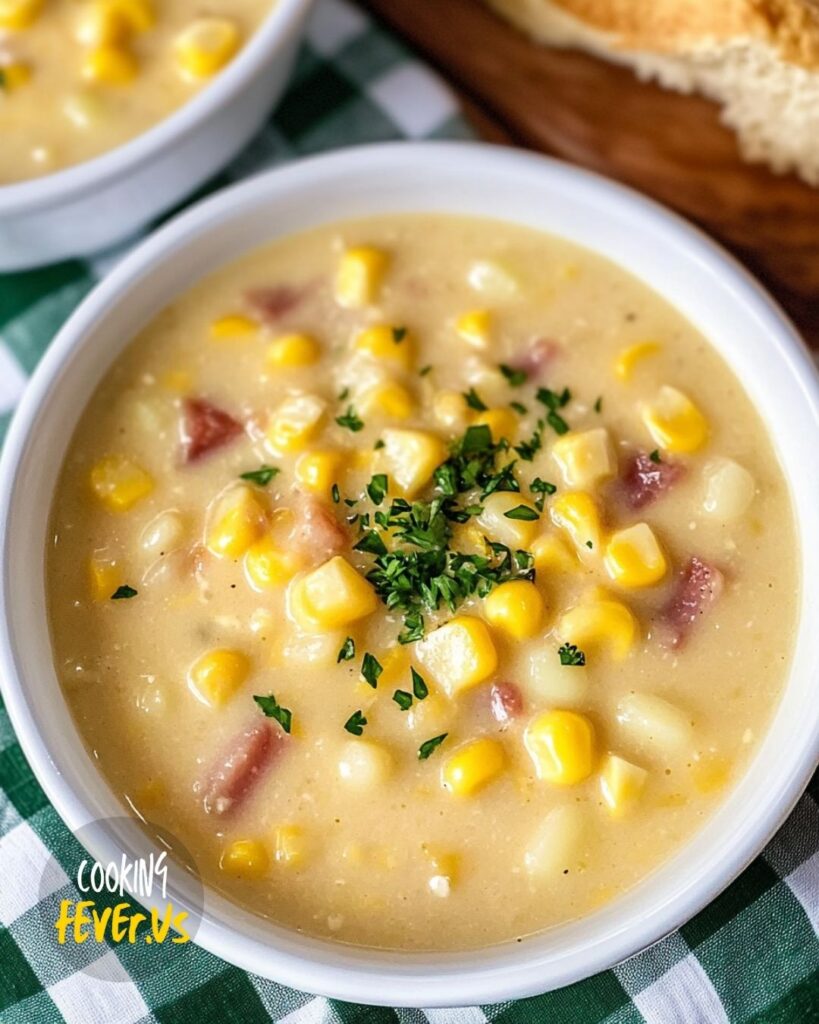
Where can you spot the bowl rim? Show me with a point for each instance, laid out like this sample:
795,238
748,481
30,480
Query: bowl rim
66,184
404,979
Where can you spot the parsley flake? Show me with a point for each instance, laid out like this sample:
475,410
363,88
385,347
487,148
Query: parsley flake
335,494
123,593
554,401
355,723
655,456
541,488
377,488
261,476
371,669
403,699
424,370
272,709
570,654
350,420
474,400
428,746
419,687
398,334
522,512
515,377
347,652
598,405
519,408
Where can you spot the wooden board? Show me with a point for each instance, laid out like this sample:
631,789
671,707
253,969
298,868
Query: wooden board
669,146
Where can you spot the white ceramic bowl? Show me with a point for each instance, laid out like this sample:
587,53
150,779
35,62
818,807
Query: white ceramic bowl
681,264
85,208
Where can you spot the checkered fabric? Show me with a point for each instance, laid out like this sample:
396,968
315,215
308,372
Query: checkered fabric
752,955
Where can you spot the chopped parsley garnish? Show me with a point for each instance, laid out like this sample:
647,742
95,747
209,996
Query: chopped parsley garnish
403,699
344,393
261,476
527,450
570,654
538,486
335,494
424,370
371,669
590,545
598,405
371,544
347,652
428,746
377,488
472,464
522,512
515,377
350,420
419,687
378,444
355,723
519,408
474,400
655,456
272,709
398,334
123,593
554,401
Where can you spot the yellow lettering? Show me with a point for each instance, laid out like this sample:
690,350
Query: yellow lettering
118,925
132,929
81,919
160,933
178,920
64,920
100,923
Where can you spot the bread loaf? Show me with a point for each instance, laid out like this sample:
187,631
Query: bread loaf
758,58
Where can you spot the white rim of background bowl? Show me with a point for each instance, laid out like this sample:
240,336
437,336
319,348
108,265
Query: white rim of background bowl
62,185
671,894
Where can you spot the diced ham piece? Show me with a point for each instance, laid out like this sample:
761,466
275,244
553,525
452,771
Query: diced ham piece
274,302
698,587
206,427
645,480
241,766
541,353
317,533
505,702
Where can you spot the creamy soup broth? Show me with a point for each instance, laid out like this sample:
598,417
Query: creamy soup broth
79,77
663,558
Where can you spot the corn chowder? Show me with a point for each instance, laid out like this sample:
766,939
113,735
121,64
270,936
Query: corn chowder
79,77
431,579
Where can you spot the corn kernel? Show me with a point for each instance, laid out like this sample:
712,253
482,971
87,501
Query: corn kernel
266,565
450,410
105,575
206,45
17,14
360,275
319,470
364,764
102,23
516,608
628,358
475,327
634,558
552,555
410,457
515,533
561,745
15,75
239,526
459,654
502,423
246,858
389,343
575,512
473,766
292,350
232,326
331,596
110,65
621,783
289,845
674,422
216,676
178,381
138,14
120,483
389,399
294,422
585,458
600,622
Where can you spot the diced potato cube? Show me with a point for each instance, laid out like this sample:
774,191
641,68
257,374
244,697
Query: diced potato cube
516,608
621,783
206,45
634,557
410,457
120,483
451,411
319,470
364,764
473,766
475,327
267,565
393,344
319,649
561,746
292,350
216,676
585,458
459,654
110,65
294,422
502,423
556,845
239,521
553,683
515,533
598,623
552,555
575,512
674,422
629,357
105,575
332,595
429,717
729,489
389,399
360,274
493,280
164,533
247,858
289,845
653,722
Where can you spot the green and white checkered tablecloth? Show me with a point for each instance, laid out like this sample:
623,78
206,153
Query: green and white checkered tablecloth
753,955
